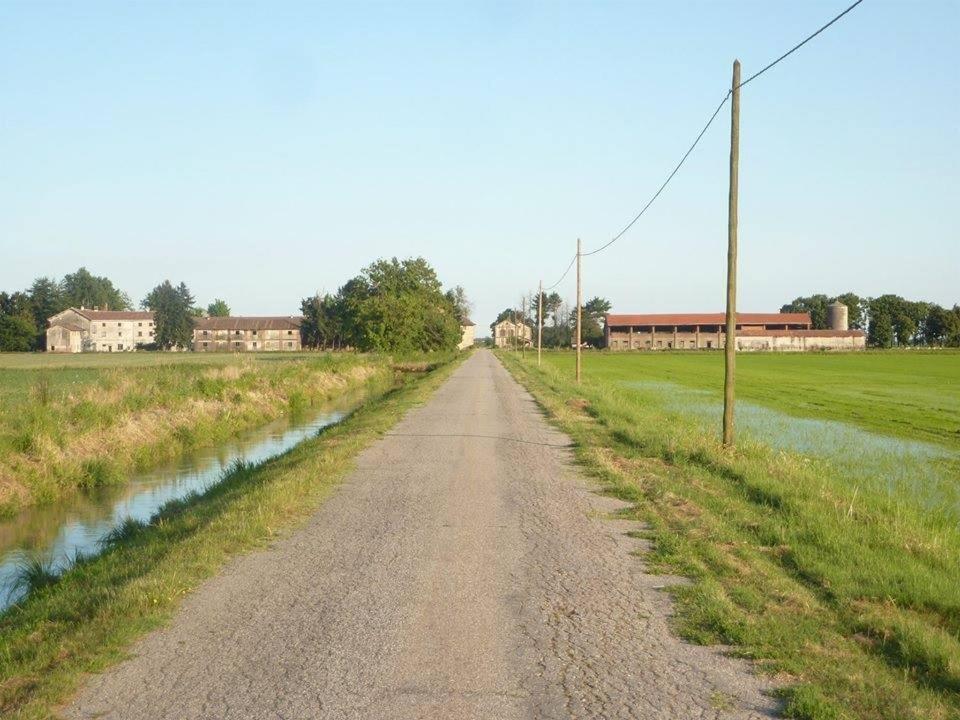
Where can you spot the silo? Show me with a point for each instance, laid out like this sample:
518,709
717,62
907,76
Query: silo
837,316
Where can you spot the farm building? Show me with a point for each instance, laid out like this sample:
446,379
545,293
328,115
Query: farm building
247,334
467,334
81,330
755,331
508,333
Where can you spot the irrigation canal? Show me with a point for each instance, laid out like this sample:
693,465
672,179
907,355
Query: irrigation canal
75,525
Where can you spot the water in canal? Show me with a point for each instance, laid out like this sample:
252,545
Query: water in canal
77,524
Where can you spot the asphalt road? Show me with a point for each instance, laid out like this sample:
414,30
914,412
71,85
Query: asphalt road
464,570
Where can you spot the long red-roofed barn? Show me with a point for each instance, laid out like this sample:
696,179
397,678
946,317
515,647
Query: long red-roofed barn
755,331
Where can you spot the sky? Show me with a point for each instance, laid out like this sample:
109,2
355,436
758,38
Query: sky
262,152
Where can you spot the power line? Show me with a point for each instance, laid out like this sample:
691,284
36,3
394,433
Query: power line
799,45
665,182
709,122
564,274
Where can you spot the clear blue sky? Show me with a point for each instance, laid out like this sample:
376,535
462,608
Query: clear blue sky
263,152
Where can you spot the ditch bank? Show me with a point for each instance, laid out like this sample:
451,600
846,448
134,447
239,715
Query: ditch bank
81,621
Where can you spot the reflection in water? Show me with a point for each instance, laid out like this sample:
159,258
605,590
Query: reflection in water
57,532
905,468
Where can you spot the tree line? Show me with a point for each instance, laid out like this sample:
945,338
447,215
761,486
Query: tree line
889,320
24,313
559,320
395,306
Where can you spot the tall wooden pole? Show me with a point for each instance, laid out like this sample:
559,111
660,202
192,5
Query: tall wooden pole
730,351
523,324
579,304
539,322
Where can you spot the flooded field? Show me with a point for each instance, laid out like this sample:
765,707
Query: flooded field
56,534
897,466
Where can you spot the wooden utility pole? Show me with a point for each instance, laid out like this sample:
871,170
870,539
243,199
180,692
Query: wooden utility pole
523,324
730,351
579,303
539,322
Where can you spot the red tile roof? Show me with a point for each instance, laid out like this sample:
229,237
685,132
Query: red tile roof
709,319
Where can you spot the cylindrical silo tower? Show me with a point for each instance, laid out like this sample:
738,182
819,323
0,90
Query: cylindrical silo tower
837,315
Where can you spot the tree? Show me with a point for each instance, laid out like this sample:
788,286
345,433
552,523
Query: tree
46,300
82,289
18,333
392,306
458,298
218,308
881,331
172,316
591,330
816,305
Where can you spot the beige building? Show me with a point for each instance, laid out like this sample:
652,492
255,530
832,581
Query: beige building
468,332
508,334
81,330
247,334
704,331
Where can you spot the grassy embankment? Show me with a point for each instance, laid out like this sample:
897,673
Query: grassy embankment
82,622
70,422
847,591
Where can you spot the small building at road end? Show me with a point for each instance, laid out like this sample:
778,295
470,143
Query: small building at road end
705,331
507,334
468,332
247,334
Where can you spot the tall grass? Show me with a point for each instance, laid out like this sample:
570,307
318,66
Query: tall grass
67,428
850,594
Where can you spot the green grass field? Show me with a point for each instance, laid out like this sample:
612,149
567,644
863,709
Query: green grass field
909,394
825,545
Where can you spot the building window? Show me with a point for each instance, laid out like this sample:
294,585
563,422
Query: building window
139,324
119,324
119,346
205,344
204,334
254,332
254,343
139,333
289,332
104,324
709,344
289,344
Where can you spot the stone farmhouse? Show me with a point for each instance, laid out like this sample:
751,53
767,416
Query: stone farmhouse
755,331
247,334
467,334
508,333
81,330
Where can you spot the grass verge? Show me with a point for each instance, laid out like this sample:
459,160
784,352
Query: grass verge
850,599
63,428
82,622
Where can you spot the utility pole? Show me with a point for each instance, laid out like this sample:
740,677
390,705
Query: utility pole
539,322
579,303
523,321
730,351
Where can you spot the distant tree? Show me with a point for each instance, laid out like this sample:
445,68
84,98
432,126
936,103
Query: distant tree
18,333
816,305
393,306
591,330
46,300
218,308
940,325
172,315
880,333
458,298
82,289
